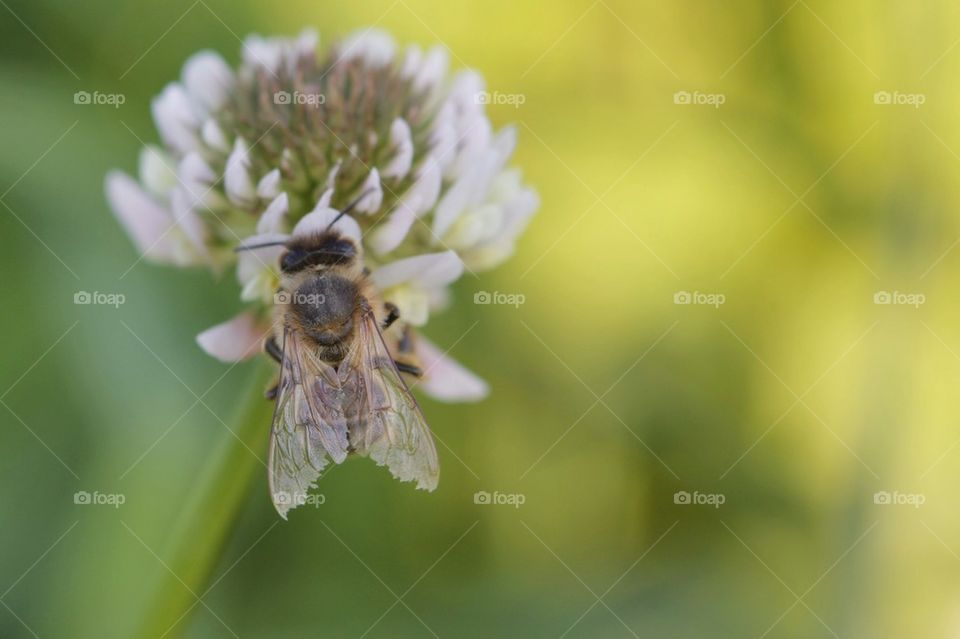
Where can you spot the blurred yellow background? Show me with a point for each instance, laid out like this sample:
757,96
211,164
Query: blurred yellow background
788,168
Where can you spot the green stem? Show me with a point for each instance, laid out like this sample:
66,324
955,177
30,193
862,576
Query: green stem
198,536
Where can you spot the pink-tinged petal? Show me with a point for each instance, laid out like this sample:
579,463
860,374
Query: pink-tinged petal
438,299
157,172
269,185
250,263
492,160
263,52
401,141
474,136
518,211
372,193
208,79
373,45
423,194
175,118
426,271
480,225
236,339
262,254
196,178
412,61
444,138
466,86
504,143
474,186
306,43
188,221
194,170
214,137
237,179
271,221
469,190
426,71
457,198
433,69
490,255
444,379
332,175
324,201
320,218
390,234
147,222
255,271
418,199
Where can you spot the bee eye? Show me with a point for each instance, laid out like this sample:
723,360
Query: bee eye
290,260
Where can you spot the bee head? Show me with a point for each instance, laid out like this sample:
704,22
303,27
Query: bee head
325,305
328,249
316,242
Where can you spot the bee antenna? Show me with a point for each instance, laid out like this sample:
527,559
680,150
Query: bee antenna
350,207
252,247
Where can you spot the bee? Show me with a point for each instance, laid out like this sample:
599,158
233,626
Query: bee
340,391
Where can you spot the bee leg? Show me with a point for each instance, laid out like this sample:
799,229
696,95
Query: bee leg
405,347
270,348
273,350
393,314
406,341
271,393
403,367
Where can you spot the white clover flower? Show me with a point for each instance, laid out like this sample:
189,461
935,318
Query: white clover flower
278,146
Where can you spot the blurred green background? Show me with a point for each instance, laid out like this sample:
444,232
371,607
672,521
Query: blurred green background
799,401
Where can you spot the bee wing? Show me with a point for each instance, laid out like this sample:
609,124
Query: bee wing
386,423
308,424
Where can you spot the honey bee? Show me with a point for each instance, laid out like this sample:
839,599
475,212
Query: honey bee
340,391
